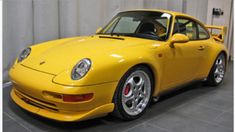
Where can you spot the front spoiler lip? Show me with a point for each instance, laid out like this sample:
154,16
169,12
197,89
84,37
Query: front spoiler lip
64,116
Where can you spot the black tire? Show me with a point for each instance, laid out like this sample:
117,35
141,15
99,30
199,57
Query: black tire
211,79
117,99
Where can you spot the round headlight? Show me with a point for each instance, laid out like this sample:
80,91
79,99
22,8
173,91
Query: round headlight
24,54
80,69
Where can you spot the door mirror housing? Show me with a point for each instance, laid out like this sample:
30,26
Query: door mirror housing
98,29
178,38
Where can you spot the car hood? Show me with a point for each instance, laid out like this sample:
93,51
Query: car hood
55,57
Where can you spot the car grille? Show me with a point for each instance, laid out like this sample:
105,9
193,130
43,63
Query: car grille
36,102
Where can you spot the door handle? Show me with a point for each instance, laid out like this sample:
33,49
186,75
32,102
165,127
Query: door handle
201,48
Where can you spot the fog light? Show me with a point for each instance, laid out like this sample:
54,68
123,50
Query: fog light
77,98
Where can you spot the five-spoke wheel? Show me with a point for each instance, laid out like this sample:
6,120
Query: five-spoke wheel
133,93
136,93
217,72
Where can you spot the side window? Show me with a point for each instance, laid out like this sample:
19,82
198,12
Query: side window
202,33
161,26
186,27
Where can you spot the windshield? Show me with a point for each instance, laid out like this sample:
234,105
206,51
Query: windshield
142,24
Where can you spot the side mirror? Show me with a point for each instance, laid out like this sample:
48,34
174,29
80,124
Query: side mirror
178,38
98,29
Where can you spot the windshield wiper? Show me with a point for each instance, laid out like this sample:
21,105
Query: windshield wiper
111,37
112,34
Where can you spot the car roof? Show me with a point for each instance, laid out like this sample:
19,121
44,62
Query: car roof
174,13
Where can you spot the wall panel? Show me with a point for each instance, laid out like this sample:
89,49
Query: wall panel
131,4
17,30
112,8
175,5
68,16
197,8
46,20
156,4
90,16
223,20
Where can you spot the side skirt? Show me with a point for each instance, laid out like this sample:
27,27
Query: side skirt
176,88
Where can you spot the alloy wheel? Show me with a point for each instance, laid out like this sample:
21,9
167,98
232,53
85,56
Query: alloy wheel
136,93
219,69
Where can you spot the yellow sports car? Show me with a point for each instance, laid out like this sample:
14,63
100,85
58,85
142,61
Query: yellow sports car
136,57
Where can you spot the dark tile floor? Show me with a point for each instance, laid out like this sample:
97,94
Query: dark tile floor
194,108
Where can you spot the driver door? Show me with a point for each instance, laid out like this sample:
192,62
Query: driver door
182,62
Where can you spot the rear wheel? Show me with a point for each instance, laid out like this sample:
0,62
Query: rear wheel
133,93
217,72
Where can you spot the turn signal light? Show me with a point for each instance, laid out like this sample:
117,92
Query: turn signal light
77,98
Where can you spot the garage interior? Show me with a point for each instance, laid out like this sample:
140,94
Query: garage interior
195,107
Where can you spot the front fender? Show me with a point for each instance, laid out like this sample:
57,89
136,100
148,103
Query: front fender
111,67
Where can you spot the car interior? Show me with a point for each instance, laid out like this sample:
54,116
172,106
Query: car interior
152,29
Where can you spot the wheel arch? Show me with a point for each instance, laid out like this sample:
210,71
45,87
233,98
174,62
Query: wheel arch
215,56
154,74
151,69
225,53
226,57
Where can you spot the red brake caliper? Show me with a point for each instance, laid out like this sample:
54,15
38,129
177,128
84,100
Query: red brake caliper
127,89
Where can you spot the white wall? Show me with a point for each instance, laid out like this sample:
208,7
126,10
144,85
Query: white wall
46,20
230,34
68,18
17,30
223,20
90,16
131,4
173,5
27,22
197,8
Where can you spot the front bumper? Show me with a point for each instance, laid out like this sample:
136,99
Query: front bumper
62,115
28,92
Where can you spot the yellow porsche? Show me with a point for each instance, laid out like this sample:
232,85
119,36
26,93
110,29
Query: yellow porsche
136,57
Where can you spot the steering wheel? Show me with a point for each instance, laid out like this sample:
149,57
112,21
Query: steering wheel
153,35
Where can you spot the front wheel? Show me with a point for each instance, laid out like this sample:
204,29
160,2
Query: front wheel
217,72
133,93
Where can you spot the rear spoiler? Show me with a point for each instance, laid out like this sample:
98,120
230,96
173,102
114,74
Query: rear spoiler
218,36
